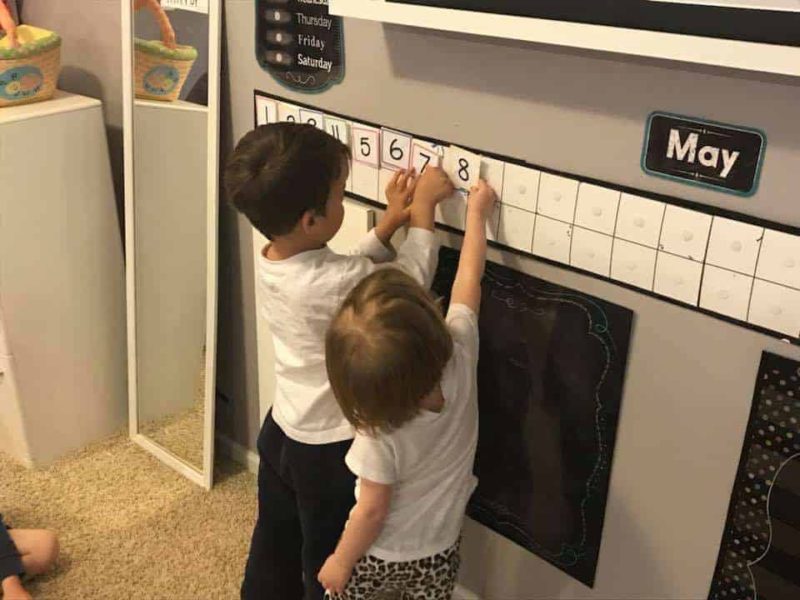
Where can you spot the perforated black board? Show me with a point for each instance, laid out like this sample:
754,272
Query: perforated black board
759,557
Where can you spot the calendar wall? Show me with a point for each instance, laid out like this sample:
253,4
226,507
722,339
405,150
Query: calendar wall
690,375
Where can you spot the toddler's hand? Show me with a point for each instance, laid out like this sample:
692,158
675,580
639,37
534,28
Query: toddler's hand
481,199
433,186
333,576
399,192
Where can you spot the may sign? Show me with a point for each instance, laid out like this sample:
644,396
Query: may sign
722,157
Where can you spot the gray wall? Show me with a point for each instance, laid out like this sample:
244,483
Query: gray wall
91,59
690,377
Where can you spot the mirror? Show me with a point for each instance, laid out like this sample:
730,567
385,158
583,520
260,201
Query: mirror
171,173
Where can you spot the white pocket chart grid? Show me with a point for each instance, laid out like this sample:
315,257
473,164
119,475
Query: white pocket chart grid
671,264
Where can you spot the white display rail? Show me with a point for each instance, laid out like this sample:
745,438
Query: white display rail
731,266
733,54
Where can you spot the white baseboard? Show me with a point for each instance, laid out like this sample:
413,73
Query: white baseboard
242,455
462,593
238,453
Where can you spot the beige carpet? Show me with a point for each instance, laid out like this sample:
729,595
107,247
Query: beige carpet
132,528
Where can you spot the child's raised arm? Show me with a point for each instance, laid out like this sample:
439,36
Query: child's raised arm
467,284
434,186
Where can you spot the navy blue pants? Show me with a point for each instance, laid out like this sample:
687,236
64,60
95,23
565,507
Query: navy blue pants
305,493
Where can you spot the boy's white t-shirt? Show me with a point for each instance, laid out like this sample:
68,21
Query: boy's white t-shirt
428,461
300,296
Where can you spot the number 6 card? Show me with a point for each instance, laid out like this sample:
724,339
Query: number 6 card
395,149
463,167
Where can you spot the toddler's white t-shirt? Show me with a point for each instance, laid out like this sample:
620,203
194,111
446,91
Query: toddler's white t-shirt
428,461
299,297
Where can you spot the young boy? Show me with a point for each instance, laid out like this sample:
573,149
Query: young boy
289,181
24,551
406,378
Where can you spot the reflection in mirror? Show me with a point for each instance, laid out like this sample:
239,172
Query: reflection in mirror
171,211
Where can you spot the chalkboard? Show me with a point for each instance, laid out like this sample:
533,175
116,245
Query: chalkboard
759,556
702,18
299,43
550,378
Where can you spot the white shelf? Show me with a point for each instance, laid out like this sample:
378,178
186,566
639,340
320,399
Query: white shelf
748,56
176,105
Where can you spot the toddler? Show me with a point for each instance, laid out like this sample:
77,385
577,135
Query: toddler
405,377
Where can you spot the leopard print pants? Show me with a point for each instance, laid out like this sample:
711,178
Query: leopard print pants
430,578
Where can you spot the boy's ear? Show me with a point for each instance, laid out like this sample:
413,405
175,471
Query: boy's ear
308,221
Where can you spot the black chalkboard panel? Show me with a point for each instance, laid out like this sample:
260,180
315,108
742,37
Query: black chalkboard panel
759,557
767,26
550,378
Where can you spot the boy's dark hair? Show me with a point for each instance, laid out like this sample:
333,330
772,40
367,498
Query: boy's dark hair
386,350
280,171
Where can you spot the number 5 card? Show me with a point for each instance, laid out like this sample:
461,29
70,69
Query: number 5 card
395,149
463,167
365,144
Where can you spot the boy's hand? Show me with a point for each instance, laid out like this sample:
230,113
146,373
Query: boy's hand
481,200
399,192
434,186
398,196
13,590
333,576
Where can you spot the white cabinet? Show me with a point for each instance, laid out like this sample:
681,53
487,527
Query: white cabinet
63,294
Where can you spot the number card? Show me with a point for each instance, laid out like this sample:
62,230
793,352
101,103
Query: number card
395,149
312,117
266,111
288,113
492,171
424,154
463,167
366,141
338,128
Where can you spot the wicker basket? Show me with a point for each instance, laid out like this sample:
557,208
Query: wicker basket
30,62
162,67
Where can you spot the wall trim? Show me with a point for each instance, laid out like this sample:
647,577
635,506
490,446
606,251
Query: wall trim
238,453
462,593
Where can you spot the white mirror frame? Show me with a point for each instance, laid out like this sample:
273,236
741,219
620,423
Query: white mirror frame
206,477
